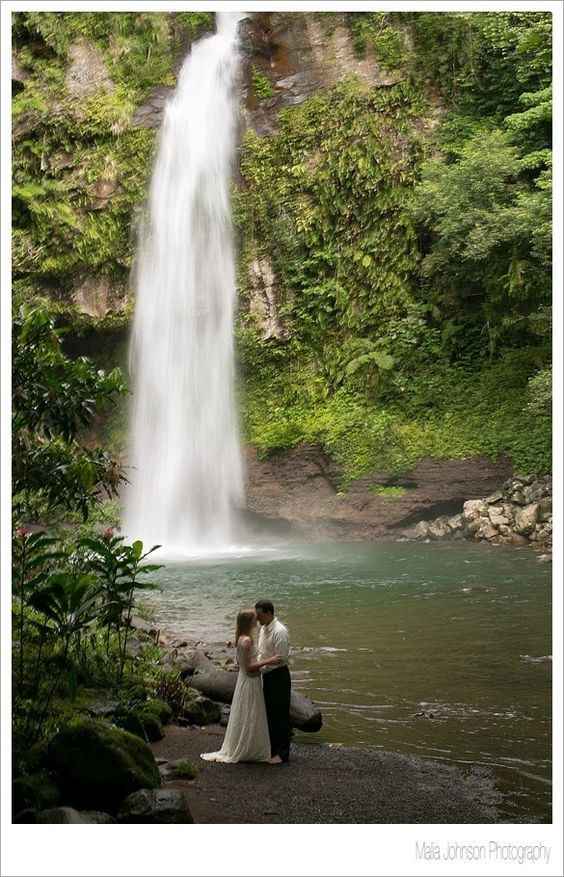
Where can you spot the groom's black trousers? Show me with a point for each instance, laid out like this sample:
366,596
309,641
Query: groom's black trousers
276,686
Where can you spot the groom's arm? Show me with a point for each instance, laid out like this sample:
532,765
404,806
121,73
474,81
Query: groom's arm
281,643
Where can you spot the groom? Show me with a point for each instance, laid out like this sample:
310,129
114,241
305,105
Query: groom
273,640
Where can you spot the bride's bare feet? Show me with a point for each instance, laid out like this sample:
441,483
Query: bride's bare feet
275,760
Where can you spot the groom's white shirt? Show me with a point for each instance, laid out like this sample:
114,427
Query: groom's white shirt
273,640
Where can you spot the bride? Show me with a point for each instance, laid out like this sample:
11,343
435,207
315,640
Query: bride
246,737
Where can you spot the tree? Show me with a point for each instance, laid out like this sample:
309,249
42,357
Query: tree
54,399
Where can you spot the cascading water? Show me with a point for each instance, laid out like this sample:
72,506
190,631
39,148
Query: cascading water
186,476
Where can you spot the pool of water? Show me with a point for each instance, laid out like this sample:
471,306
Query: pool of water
436,650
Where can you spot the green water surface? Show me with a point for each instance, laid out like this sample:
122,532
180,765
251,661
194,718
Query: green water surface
380,633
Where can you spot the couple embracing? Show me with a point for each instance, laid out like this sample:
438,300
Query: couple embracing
259,721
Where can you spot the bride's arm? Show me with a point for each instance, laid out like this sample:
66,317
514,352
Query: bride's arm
254,666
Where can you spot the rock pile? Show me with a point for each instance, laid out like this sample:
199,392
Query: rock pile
520,513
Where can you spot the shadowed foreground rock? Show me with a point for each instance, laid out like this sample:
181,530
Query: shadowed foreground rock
69,816
219,685
97,765
156,806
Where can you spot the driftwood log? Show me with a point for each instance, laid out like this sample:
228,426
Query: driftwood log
219,685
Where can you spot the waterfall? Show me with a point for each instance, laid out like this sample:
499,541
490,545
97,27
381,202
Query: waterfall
186,476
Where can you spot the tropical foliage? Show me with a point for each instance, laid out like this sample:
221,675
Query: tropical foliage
54,402
72,611
409,228
73,596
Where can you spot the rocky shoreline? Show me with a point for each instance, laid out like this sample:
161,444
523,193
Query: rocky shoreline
519,513
108,767
99,768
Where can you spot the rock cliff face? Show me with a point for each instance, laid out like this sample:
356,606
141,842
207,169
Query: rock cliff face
300,53
301,488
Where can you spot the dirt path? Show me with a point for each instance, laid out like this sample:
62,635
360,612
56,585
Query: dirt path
324,784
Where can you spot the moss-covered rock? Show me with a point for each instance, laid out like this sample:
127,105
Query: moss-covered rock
160,709
200,710
98,765
151,725
132,723
37,757
36,791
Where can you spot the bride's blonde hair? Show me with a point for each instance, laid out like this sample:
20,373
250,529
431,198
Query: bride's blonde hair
246,621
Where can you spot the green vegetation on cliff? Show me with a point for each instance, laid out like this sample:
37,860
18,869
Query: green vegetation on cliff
412,259
406,227
80,165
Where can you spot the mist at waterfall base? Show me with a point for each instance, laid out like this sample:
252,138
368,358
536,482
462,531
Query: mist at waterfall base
185,466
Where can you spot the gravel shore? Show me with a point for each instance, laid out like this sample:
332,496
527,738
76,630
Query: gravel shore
327,784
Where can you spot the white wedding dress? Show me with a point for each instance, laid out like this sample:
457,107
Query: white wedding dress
246,737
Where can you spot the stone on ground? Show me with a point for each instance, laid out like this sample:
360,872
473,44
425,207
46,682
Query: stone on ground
156,806
98,765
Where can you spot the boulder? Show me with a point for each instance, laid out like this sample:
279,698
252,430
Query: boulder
62,815
473,508
156,807
496,516
200,710
456,522
545,509
160,709
98,765
131,722
494,497
439,528
304,714
36,791
524,479
508,510
37,757
487,531
533,492
97,817
220,685
526,518
29,815
420,531
518,497
151,725
517,539
70,816
147,627
542,533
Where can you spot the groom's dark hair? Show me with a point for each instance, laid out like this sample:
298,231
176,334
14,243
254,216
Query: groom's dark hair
265,606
